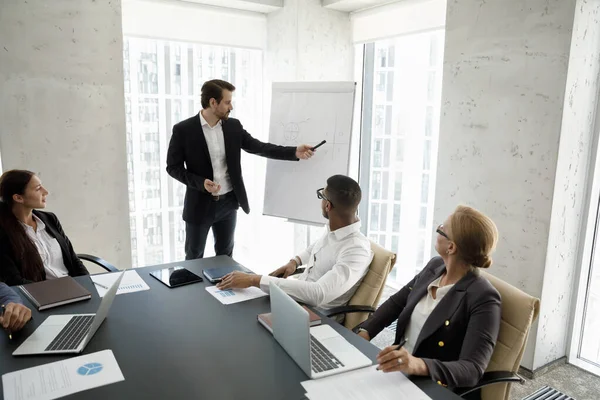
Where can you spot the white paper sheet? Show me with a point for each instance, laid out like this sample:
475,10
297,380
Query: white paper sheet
232,296
132,282
61,378
364,383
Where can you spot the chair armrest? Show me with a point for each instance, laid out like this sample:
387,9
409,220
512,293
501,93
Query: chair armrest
349,309
98,261
489,378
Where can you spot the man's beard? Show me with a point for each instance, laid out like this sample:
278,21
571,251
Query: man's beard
225,116
325,214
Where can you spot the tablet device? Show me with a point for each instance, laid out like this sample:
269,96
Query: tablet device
175,276
215,275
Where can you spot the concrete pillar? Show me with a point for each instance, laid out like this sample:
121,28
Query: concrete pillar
63,114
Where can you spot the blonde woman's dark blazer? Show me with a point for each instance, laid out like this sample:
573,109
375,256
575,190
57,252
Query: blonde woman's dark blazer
458,338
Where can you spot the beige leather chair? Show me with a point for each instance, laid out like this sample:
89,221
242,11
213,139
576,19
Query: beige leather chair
367,296
519,311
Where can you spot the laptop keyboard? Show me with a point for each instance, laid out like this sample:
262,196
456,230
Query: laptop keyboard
72,334
321,358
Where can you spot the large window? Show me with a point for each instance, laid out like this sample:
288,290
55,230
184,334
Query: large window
402,95
162,87
585,346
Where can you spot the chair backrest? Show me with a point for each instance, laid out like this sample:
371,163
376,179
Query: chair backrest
372,285
519,311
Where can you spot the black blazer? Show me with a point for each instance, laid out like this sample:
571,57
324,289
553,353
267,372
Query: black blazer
188,161
10,265
458,339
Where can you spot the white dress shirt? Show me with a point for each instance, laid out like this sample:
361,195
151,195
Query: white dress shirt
216,148
49,250
422,311
335,266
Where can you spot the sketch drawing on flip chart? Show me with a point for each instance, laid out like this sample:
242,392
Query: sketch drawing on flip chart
291,130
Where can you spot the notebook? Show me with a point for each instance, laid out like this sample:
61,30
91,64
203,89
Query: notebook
266,321
215,275
55,292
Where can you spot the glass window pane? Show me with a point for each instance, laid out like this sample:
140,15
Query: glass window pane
151,110
391,55
431,80
398,186
386,153
147,68
426,155
433,51
377,153
388,120
383,218
382,57
396,218
385,183
420,252
428,121
380,82
404,110
374,220
424,188
423,218
390,86
376,185
379,121
400,150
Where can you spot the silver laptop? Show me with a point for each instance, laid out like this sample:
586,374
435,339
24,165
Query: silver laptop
320,351
68,334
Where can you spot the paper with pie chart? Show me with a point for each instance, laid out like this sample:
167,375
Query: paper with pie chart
62,378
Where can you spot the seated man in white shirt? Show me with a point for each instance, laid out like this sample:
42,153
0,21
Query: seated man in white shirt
335,264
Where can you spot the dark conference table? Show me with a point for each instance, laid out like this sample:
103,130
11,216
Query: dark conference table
182,343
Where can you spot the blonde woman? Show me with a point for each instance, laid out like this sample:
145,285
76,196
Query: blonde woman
448,316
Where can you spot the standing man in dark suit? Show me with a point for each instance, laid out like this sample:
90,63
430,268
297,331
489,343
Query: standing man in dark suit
204,154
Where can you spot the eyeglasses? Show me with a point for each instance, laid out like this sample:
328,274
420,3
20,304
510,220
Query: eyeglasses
321,196
441,232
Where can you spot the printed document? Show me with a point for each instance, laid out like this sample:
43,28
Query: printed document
61,378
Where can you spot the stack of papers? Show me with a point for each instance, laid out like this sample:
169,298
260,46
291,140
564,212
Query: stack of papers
232,296
364,383
132,282
62,378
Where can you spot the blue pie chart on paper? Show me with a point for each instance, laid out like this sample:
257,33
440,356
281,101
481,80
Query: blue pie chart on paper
89,369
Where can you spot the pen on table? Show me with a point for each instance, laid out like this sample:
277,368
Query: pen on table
101,285
398,347
9,332
319,145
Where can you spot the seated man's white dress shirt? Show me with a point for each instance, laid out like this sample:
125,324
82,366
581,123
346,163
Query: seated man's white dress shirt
335,265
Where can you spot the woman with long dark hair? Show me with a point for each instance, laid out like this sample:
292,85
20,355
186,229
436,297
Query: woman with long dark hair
33,246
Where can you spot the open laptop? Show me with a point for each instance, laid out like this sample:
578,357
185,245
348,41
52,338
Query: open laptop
68,334
320,351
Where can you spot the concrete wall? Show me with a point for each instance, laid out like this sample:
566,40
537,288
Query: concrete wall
573,178
306,42
505,72
63,114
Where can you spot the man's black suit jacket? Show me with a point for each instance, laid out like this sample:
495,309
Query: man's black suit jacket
188,161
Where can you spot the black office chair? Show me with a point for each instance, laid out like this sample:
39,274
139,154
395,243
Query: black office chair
98,261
